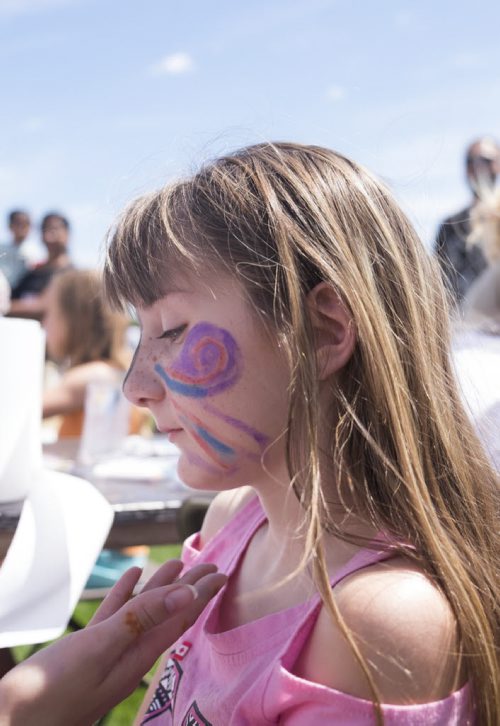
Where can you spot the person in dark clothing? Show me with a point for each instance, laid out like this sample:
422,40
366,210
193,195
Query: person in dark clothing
27,296
462,263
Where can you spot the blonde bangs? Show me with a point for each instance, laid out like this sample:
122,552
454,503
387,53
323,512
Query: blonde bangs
145,246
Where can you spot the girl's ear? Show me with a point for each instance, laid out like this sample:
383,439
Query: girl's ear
334,330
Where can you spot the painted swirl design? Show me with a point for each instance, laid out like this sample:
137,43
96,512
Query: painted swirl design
210,362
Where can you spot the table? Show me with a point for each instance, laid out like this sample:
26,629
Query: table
145,512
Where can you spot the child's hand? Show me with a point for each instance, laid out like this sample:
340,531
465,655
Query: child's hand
80,677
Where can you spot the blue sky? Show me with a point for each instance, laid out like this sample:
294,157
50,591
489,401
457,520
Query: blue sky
106,99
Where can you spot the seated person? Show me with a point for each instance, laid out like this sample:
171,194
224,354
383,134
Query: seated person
88,340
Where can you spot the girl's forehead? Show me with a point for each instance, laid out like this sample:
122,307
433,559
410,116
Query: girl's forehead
197,291
204,286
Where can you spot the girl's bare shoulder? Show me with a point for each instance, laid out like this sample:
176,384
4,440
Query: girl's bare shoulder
223,508
403,626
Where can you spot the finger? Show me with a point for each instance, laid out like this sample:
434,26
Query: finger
185,599
189,578
124,588
145,650
164,575
117,596
174,607
160,638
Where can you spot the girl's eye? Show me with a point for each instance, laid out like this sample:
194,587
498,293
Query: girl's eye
173,333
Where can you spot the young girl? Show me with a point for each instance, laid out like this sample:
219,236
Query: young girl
295,347
86,338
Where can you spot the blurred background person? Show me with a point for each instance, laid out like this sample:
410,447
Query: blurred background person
482,302
27,295
461,262
88,342
85,339
14,262
477,335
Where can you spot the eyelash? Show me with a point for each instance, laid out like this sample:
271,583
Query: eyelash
173,333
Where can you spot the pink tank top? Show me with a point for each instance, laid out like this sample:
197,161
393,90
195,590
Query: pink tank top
244,676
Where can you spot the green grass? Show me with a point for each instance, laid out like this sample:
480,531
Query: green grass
124,713
162,554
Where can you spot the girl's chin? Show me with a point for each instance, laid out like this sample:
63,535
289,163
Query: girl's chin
197,473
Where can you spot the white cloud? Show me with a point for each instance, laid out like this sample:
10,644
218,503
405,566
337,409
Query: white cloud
173,65
335,93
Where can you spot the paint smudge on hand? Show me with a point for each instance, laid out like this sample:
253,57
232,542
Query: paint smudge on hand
133,624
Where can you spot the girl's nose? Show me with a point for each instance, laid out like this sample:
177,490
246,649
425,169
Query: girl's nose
142,385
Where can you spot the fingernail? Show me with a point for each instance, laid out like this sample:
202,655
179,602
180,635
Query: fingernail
179,598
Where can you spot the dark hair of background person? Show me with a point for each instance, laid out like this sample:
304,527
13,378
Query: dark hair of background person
54,216
481,162
11,217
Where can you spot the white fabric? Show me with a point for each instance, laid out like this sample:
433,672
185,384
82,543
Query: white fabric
21,372
62,529
64,521
477,363
4,294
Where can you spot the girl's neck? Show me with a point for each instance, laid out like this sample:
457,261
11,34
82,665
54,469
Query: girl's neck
284,534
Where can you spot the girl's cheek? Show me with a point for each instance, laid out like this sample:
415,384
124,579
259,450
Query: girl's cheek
208,363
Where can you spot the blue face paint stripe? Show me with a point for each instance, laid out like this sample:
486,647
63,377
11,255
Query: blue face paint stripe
259,438
177,387
213,442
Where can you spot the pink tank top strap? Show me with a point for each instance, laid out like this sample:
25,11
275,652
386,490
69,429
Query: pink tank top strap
238,531
379,551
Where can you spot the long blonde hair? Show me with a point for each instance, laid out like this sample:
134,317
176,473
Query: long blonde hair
282,217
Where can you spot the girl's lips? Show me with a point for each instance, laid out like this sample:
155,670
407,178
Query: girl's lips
173,433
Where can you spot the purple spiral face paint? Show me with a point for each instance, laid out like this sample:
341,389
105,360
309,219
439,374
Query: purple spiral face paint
209,362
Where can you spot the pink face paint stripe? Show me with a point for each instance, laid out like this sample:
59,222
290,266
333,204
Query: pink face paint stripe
208,451
261,439
203,444
193,422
